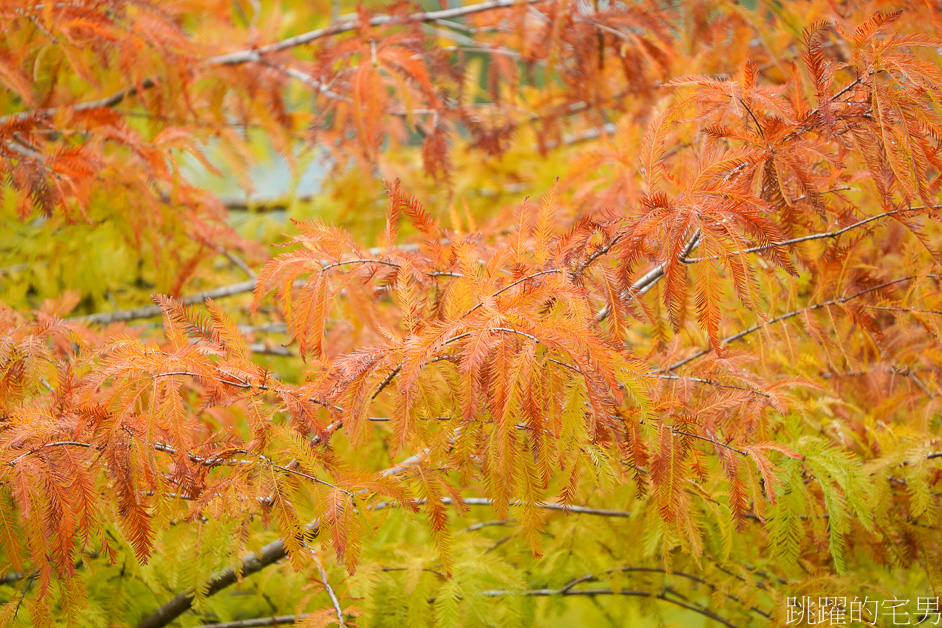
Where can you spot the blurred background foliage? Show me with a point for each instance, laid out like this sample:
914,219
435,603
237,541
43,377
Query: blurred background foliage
264,181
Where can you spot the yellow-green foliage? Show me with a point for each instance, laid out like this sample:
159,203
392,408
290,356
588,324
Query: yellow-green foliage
503,314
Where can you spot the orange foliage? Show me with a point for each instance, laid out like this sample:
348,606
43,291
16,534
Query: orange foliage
788,202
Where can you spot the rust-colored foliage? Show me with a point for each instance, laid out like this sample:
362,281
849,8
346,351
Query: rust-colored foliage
713,327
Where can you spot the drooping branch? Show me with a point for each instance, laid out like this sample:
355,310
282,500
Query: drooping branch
243,287
641,286
662,596
205,461
659,570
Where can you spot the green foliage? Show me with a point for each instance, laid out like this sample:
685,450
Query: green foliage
616,313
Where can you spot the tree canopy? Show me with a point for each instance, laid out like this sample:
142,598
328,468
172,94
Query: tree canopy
512,312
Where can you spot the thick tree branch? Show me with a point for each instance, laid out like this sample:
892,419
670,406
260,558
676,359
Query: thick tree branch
275,551
253,563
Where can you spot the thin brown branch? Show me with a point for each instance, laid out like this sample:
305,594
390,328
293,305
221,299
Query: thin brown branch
278,620
425,569
256,55
485,501
911,310
817,306
253,563
650,279
150,311
599,252
625,592
392,374
248,56
712,382
808,238
243,287
756,121
512,285
814,112
703,438
658,570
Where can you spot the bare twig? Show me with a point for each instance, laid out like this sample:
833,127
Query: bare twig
484,501
650,279
258,622
256,55
626,592
253,563
659,570
150,311
243,287
712,382
237,261
817,306
808,238
330,591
